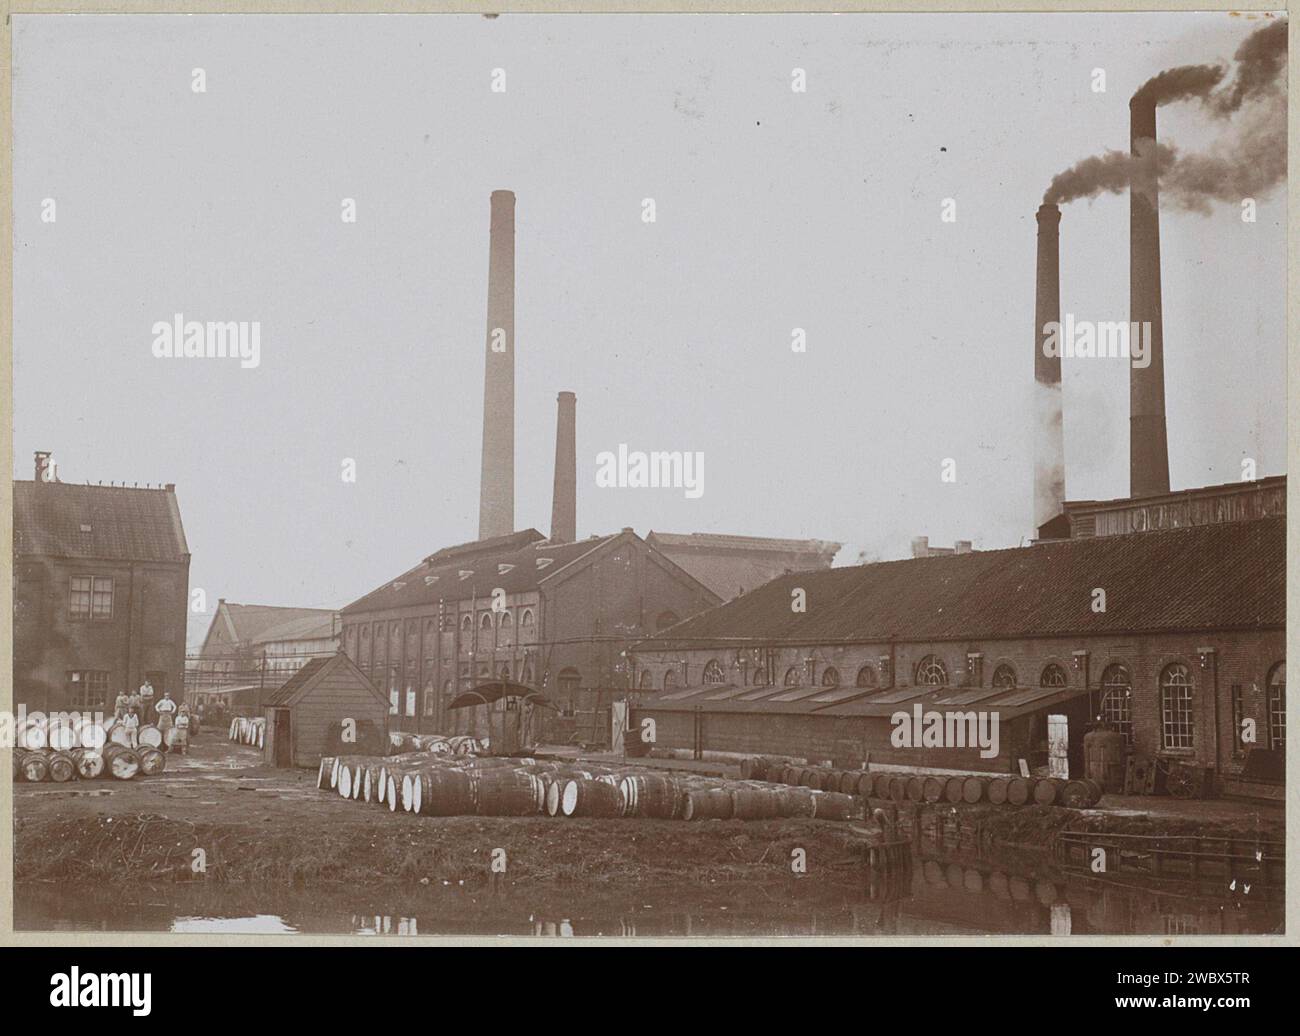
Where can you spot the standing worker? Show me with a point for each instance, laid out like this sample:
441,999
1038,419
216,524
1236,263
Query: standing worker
146,701
166,717
181,735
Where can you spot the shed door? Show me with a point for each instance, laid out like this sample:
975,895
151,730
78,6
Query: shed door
283,738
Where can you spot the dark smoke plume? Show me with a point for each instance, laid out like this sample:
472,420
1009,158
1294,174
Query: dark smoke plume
1248,162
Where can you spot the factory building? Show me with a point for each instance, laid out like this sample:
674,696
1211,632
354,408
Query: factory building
101,577
733,565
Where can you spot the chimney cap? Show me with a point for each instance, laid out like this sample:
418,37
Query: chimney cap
566,394
1048,211
503,195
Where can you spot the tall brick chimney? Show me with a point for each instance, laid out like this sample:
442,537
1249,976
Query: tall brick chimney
496,507
1049,432
564,505
1148,436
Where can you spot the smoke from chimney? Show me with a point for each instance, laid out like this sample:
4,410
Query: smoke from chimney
496,508
1148,435
1049,433
564,504
1247,162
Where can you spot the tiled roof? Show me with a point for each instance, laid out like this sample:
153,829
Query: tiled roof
1227,576
105,522
264,623
461,572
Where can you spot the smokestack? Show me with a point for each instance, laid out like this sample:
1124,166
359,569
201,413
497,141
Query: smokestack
564,505
1049,434
496,506
1148,437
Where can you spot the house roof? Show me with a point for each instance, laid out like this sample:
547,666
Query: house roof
512,563
732,565
250,624
1228,576
310,673
103,522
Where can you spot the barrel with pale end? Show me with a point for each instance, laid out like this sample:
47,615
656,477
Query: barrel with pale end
587,797
152,761
120,762
323,774
149,735
653,795
833,805
90,763
998,789
35,768
708,804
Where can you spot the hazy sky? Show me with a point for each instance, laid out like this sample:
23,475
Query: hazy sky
775,210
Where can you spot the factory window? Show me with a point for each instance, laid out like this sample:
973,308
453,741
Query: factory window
430,635
866,676
930,672
794,676
830,677
665,620
1177,720
670,678
1004,675
90,597
1277,706
381,644
526,627
713,672
393,691
88,688
646,680
466,633
484,671
485,632
526,676
1117,701
395,641
363,654
1238,720
504,672
1052,676
506,634
430,687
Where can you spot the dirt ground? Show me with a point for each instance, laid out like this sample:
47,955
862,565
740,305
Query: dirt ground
257,824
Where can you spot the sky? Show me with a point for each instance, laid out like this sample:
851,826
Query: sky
774,210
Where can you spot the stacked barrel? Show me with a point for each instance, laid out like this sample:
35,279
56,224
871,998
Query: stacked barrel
248,730
439,784
82,749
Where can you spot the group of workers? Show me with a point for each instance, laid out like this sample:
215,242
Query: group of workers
132,710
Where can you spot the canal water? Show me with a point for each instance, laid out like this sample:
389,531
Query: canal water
936,898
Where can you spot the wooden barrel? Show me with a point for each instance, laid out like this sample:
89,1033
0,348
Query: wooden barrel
898,789
444,792
323,774
33,735
1020,791
915,789
849,780
998,885
149,736
344,785
120,763
35,767
17,756
507,793
588,797
998,788
810,777
955,875
1045,892
652,795
831,779
92,735
60,737
796,802
932,789
952,789
833,805
973,789
152,761
62,767
90,763
1019,889
709,804
392,794
234,729
754,803
933,872
973,880
1095,790
1076,795
1048,791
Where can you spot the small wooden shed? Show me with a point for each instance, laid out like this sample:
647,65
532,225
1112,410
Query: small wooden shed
304,716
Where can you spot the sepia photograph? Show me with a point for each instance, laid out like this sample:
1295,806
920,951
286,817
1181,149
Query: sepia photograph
642,477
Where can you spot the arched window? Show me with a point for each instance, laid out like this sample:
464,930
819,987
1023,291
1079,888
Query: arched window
1177,720
466,632
670,678
526,677
866,676
794,676
364,651
485,632
430,635
713,672
666,619
506,631
1004,675
504,672
830,677
526,627
930,671
646,680
1053,676
760,676
1277,706
1117,700
395,640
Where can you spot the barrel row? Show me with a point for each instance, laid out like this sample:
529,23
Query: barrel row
437,744
910,787
248,730
478,786
61,736
999,883
113,760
